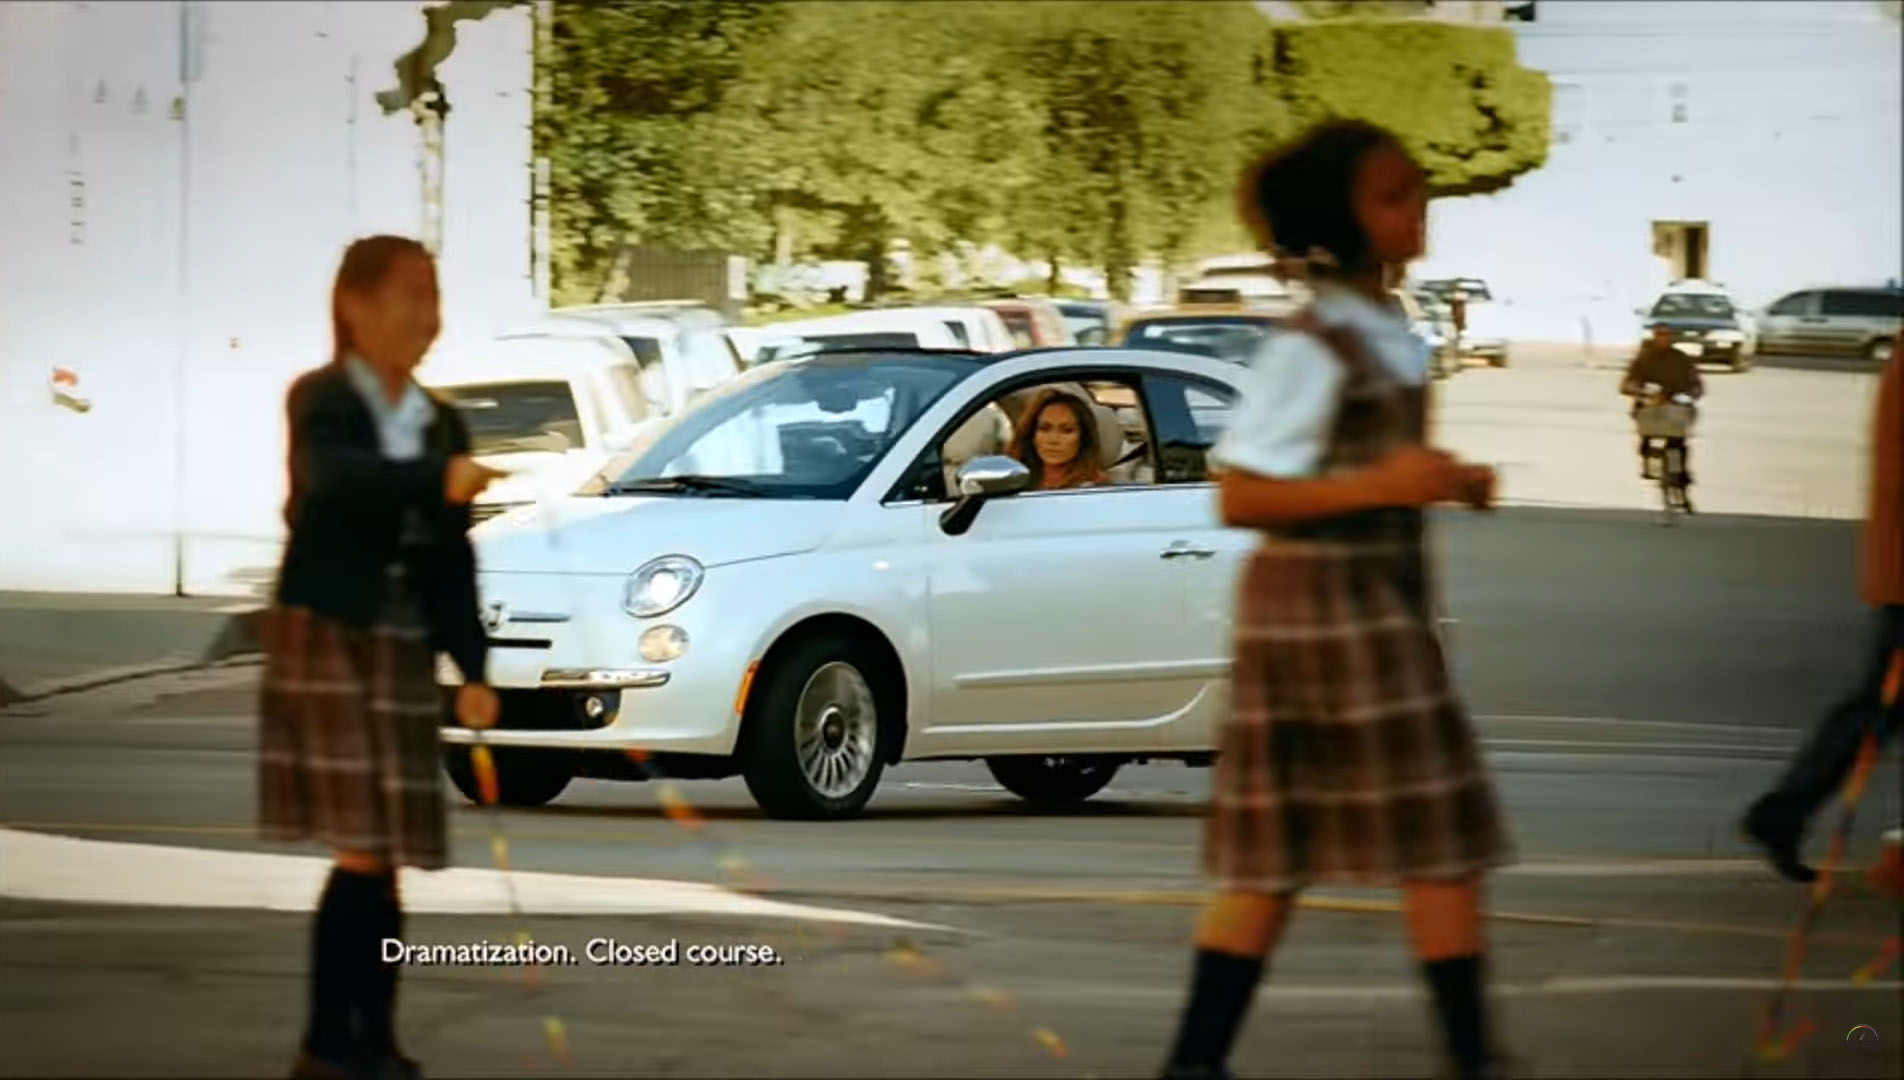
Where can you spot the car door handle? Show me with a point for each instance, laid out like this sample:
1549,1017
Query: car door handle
1183,549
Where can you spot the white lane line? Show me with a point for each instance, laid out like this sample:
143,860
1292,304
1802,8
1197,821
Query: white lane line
1558,987
36,866
1681,725
1623,746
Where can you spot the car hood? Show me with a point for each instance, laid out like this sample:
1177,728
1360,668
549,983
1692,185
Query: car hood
539,474
585,534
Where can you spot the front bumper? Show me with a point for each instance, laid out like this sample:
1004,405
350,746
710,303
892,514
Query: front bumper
573,642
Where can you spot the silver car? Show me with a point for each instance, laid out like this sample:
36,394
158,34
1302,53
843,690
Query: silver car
1860,322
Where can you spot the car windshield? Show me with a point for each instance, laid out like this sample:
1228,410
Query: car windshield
811,429
1229,338
516,417
1692,305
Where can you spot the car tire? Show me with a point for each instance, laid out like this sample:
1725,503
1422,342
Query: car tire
1053,780
814,744
524,778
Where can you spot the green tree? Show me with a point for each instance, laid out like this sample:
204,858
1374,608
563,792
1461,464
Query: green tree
642,148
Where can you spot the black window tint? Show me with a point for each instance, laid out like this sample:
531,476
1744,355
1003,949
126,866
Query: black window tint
1867,305
1189,416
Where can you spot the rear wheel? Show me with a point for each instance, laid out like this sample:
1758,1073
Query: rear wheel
524,777
814,745
1053,780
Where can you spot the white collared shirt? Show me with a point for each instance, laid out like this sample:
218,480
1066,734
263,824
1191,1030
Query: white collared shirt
1281,426
400,426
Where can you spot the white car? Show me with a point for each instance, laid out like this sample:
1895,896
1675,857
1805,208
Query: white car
894,328
977,328
681,347
550,411
777,584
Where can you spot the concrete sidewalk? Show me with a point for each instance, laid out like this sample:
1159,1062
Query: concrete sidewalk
53,643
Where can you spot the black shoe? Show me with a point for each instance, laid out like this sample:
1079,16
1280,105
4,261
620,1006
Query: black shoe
1195,1072
1779,839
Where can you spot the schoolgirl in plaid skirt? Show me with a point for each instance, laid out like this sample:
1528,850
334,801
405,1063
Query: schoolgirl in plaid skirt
378,576
1347,758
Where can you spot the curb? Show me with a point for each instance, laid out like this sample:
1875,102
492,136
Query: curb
240,636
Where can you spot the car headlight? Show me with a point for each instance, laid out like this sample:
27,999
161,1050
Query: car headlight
660,586
1727,335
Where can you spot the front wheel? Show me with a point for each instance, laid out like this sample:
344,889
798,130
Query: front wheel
524,777
1053,780
815,745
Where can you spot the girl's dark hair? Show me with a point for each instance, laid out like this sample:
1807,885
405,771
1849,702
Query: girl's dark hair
365,264
1084,467
1298,198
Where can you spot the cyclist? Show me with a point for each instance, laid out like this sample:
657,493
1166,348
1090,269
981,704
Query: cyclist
1676,376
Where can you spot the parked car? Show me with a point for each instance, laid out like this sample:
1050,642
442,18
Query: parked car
889,328
1426,327
682,346
1091,322
1227,331
783,583
1033,324
549,410
1481,331
1704,321
1861,321
977,327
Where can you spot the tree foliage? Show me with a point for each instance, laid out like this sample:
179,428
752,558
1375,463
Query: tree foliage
1082,133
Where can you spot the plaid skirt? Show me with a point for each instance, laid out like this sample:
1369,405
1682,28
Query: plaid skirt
1346,758
347,734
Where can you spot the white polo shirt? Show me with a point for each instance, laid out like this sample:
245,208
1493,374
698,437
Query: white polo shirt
1280,428
400,427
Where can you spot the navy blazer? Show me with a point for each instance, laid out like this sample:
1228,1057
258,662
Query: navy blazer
346,513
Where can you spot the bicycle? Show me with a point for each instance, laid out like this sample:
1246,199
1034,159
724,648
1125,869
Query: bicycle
1664,425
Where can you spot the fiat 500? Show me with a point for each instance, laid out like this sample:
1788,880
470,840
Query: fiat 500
840,563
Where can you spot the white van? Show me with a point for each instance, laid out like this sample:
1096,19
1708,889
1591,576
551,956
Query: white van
548,409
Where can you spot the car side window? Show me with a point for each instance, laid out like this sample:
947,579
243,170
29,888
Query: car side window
1795,304
1863,305
1189,416
1120,426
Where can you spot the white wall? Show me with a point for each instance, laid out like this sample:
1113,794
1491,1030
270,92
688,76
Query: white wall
187,317
1790,149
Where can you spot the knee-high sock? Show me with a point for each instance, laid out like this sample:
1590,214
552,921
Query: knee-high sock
1221,991
378,1003
1462,1010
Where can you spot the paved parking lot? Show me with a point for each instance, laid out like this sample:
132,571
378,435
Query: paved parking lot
1788,438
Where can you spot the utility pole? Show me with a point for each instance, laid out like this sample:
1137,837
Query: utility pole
428,110
541,223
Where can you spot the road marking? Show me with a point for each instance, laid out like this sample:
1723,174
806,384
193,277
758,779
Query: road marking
1625,748
36,866
1543,866
1557,987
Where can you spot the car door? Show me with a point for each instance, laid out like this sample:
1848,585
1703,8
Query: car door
1189,415
1056,622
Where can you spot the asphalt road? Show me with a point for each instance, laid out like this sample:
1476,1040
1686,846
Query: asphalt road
1635,686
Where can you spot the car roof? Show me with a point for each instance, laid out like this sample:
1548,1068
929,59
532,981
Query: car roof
521,358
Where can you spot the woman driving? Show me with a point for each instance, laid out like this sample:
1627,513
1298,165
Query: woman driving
1057,439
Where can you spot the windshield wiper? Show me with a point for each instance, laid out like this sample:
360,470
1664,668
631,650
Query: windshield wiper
728,485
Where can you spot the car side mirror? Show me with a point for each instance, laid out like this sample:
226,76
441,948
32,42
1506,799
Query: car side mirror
979,480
